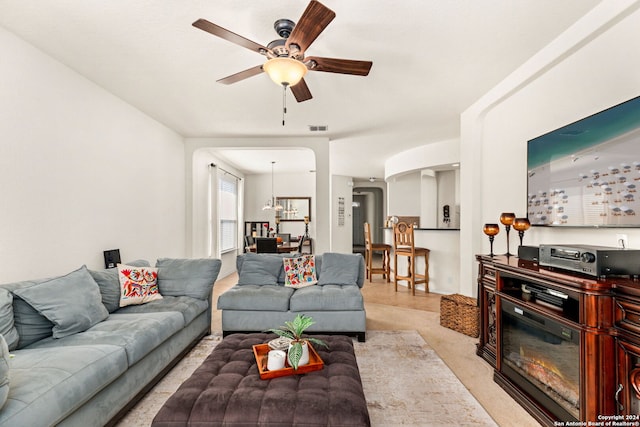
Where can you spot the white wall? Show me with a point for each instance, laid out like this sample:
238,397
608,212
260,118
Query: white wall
81,171
428,199
448,194
423,157
403,197
341,232
589,68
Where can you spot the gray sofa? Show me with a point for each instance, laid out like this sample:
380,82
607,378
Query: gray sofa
78,359
260,300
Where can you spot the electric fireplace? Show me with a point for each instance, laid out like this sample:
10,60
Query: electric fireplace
565,346
542,357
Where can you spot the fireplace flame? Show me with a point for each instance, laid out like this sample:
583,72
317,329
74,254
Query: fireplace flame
540,361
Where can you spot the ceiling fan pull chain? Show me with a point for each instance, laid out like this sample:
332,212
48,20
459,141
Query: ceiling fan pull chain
284,102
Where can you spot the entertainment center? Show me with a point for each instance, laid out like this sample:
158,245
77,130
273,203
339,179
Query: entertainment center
564,345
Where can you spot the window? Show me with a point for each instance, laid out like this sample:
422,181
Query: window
228,211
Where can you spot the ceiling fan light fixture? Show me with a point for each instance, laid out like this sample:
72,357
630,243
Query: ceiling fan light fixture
285,71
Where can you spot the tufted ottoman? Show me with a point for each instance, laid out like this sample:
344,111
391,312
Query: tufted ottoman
227,390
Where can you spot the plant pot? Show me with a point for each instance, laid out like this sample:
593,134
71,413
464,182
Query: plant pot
304,359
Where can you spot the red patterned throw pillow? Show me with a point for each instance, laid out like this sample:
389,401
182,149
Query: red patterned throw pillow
300,271
138,285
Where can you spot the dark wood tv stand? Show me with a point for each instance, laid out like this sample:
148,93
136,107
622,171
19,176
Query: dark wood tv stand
606,316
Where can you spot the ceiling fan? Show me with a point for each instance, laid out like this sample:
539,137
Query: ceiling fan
286,63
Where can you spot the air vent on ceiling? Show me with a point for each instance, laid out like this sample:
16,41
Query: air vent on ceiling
318,128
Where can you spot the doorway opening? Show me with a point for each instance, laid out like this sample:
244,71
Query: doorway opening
368,206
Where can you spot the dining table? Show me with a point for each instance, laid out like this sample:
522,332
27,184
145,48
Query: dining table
284,247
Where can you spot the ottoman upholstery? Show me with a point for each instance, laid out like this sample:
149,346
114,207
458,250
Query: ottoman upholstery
227,390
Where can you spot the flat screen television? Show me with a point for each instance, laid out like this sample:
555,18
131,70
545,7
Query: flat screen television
586,174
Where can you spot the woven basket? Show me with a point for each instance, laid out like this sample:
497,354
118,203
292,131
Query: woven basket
459,313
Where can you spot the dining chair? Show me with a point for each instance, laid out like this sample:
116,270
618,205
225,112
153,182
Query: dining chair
305,242
248,241
266,245
404,245
370,249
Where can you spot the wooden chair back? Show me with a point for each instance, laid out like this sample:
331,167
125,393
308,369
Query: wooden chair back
367,236
403,236
266,245
300,244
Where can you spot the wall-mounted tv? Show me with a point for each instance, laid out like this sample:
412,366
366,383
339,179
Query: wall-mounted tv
586,174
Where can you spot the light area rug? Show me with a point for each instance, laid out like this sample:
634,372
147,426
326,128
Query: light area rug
404,381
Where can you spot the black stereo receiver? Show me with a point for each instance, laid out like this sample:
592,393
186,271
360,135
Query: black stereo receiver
598,261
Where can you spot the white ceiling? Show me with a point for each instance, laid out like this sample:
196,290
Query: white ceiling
431,60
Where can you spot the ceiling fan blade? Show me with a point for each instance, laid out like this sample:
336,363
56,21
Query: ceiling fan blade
223,33
341,66
301,91
313,21
241,75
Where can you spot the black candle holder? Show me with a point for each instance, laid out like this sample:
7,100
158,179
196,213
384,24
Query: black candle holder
522,225
491,230
507,218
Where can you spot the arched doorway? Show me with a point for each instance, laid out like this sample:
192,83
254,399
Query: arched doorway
368,206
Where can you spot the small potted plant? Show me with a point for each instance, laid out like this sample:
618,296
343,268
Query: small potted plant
298,354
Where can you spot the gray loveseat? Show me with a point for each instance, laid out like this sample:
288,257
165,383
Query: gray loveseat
260,300
78,359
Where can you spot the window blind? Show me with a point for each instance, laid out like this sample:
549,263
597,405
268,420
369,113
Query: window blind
228,212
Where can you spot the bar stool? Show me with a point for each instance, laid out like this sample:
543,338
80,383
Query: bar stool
403,245
369,249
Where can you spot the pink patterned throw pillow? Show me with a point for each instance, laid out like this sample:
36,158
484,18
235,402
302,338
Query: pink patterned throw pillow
300,271
138,285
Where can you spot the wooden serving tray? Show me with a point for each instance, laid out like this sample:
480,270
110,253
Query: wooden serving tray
261,352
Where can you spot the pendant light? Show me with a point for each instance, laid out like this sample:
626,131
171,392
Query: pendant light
271,203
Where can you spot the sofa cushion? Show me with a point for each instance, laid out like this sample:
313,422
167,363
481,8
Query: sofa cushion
189,277
109,284
4,371
57,298
327,298
189,307
256,298
49,383
138,285
300,271
31,325
137,333
258,269
340,269
7,326
242,257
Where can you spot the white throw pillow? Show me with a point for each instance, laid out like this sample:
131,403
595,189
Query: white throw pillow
138,285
